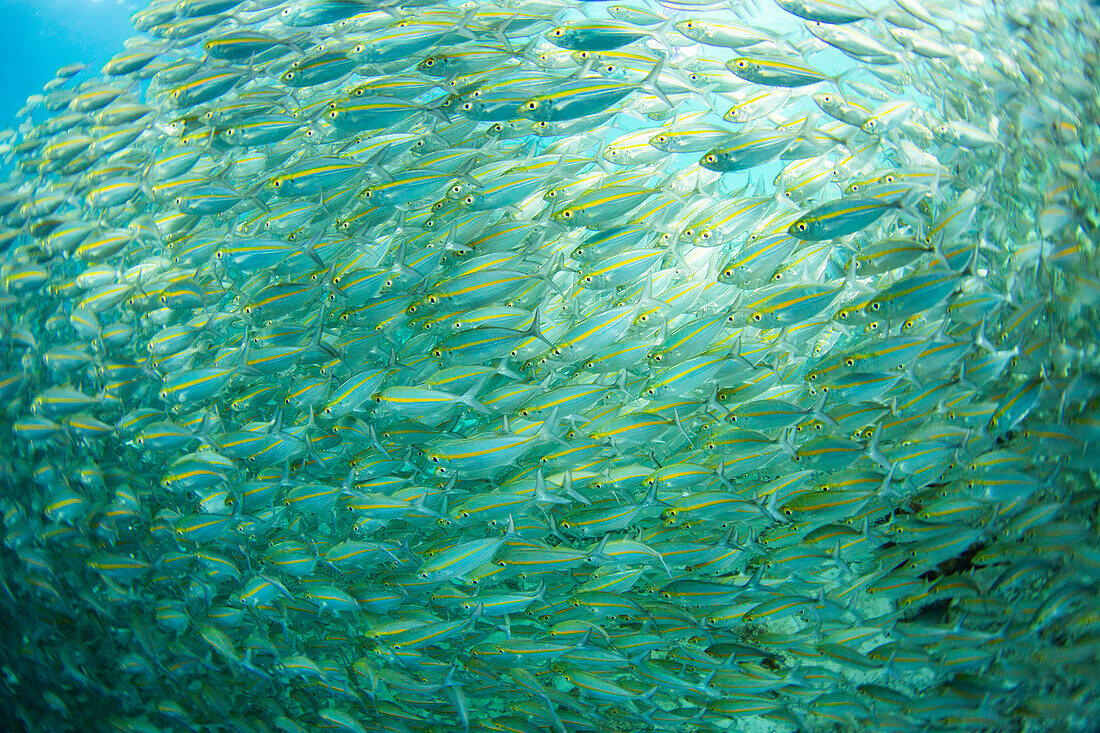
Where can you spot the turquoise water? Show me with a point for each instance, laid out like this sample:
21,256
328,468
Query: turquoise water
40,36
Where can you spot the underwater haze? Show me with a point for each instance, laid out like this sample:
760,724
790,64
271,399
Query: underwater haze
41,36
546,365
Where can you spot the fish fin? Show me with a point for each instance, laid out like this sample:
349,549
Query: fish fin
818,411
680,427
470,399
620,386
536,332
584,68
650,83
504,370
542,495
769,508
597,552
548,425
786,444
568,490
854,282
871,450
420,506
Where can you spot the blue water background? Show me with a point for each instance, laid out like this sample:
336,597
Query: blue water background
40,36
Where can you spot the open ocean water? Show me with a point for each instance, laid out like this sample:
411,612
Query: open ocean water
541,365
41,36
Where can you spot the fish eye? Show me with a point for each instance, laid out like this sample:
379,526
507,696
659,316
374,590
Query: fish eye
657,357
849,362
741,64
532,104
710,158
468,200
756,317
875,305
557,32
827,98
276,182
689,24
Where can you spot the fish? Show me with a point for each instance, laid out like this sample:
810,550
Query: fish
839,218
555,366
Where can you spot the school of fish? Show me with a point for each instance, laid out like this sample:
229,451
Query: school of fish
540,365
